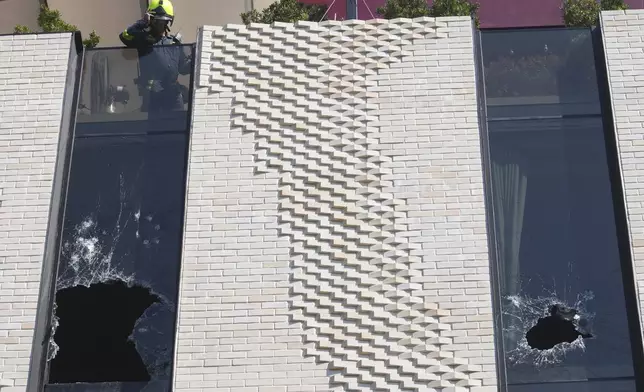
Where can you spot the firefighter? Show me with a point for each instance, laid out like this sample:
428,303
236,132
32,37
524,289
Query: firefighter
162,58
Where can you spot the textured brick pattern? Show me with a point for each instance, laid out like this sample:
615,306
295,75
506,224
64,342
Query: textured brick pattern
335,235
623,38
33,70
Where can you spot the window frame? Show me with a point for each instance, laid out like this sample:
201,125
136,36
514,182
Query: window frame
629,282
39,366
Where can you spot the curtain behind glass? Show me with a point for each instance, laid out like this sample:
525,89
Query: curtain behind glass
510,184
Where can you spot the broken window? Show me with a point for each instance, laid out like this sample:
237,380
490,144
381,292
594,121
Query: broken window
116,286
564,319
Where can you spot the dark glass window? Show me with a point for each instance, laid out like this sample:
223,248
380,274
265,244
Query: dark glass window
539,73
564,320
114,314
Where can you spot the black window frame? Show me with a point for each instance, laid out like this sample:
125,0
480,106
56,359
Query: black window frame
38,365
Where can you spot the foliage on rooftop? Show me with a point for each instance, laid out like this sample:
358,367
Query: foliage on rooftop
50,21
585,13
404,9
288,11
417,8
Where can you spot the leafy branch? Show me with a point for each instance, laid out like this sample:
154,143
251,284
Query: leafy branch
585,13
288,11
404,9
417,8
50,21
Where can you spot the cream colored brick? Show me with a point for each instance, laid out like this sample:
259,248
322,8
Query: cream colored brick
31,99
623,40
317,123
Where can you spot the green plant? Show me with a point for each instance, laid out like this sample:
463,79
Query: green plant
610,5
403,9
21,29
585,13
288,11
455,8
50,21
92,40
580,13
417,8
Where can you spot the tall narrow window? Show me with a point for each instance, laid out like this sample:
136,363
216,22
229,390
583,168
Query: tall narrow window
564,317
116,286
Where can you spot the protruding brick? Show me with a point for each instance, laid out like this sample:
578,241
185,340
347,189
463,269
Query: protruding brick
321,129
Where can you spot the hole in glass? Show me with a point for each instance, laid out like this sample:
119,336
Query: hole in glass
561,326
94,333
114,313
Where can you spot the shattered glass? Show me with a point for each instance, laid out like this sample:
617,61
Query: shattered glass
564,254
117,283
523,315
112,325
564,321
113,317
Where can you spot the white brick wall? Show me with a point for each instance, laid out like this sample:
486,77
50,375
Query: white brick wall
623,37
335,234
429,119
33,71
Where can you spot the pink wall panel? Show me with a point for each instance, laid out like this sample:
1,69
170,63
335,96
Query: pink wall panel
493,13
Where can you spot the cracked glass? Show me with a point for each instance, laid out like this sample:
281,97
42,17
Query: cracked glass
116,287
564,320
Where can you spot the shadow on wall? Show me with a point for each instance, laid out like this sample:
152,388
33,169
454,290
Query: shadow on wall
110,18
23,12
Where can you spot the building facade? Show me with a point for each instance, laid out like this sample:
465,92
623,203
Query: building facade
110,18
405,205
492,13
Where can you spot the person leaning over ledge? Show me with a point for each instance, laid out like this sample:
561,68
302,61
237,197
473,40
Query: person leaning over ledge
161,63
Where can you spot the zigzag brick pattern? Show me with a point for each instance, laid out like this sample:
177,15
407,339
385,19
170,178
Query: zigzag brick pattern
303,91
295,209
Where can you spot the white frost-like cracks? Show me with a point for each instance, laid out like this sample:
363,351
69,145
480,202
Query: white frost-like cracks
520,313
86,260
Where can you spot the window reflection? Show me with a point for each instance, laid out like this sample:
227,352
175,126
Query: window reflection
558,246
564,316
122,84
551,68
